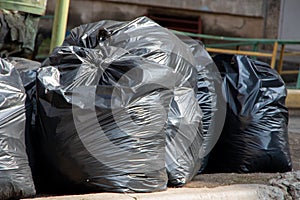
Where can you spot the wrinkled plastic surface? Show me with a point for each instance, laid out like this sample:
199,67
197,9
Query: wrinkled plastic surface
15,174
28,70
255,137
102,116
209,96
145,38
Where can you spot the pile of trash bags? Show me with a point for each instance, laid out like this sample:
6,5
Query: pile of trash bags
121,96
131,107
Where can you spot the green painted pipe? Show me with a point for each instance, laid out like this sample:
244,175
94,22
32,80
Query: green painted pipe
60,23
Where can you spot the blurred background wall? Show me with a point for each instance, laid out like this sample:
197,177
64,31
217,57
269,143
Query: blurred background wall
255,18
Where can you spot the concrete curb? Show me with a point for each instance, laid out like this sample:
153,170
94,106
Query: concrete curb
232,192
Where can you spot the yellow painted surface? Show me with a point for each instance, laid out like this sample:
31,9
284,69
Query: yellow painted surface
274,55
293,98
229,51
289,72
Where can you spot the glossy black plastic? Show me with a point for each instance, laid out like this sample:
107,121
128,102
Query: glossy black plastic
254,137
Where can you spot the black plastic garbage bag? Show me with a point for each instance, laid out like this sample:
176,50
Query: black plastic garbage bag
28,70
209,96
255,137
15,174
145,38
102,114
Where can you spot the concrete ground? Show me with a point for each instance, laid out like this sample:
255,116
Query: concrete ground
232,192
294,137
294,122
226,186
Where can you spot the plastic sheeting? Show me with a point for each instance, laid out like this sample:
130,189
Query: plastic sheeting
145,38
209,96
102,114
254,138
77,69
15,174
28,70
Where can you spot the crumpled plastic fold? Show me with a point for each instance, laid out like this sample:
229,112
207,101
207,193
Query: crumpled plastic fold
254,137
145,38
15,173
106,82
103,119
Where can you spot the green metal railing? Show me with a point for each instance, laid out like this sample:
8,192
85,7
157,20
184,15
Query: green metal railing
278,45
